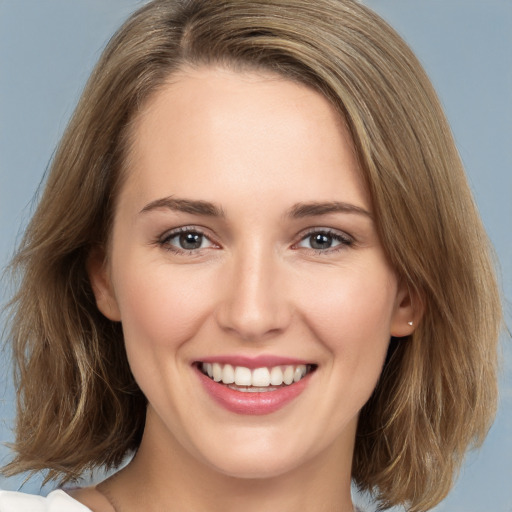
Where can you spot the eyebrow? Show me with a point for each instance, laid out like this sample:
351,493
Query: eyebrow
313,209
297,211
185,205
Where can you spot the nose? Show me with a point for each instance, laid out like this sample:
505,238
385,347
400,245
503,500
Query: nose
255,304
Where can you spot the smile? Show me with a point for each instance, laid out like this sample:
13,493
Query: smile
254,386
255,380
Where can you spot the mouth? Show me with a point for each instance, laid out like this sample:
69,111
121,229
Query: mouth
256,380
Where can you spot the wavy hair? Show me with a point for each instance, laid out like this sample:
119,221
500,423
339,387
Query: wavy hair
78,405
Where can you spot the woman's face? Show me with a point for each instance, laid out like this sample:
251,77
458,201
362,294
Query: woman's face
244,244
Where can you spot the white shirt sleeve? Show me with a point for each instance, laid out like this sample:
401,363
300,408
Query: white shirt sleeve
56,501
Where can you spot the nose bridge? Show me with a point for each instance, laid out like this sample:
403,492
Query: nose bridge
255,303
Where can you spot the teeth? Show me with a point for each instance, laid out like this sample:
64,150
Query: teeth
243,376
276,376
259,379
228,374
251,389
299,372
217,372
288,375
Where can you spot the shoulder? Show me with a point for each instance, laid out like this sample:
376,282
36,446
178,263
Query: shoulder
56,501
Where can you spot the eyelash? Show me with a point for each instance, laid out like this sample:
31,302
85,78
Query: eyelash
165,239
343,239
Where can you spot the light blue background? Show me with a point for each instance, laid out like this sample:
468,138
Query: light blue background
48,47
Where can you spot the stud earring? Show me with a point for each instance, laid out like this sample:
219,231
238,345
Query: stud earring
410,323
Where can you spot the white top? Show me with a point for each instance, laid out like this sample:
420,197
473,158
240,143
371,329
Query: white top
56,501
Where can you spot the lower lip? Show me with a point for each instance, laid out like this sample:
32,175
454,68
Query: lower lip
241,402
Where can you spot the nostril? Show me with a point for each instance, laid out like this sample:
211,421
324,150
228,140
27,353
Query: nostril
254,324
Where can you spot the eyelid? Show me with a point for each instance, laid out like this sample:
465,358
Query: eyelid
182,229
345,239
163,239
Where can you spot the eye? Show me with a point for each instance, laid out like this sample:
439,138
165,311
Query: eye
186,240
324,240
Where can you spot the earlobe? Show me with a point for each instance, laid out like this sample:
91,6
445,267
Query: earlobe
408,312
101,284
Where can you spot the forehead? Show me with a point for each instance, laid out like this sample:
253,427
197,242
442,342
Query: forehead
252,127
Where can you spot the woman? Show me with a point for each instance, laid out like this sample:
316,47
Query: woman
246,269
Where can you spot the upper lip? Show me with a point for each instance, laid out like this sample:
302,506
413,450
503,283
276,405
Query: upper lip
260,361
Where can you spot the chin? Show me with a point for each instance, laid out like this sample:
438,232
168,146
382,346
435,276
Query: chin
255,460
255,469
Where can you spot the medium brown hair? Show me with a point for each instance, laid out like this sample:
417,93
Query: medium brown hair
78,404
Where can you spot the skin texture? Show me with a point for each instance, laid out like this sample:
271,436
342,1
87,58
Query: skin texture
256,146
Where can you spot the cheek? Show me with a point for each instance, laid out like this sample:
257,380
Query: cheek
352,312
351,317
160,307
161,310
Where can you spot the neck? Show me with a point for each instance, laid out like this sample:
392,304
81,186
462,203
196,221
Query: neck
164,476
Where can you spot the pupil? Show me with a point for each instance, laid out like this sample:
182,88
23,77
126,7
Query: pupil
321,241
191,240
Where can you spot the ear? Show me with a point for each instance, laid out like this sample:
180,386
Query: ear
409,308
101,284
